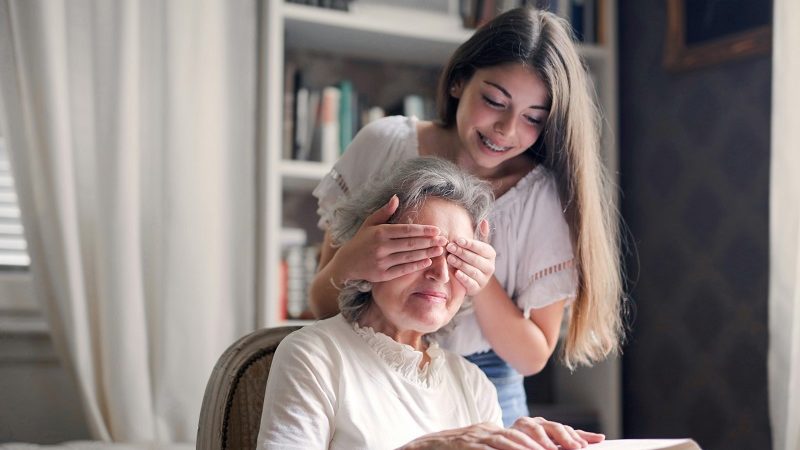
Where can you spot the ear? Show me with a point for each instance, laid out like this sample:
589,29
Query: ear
484,230
456,89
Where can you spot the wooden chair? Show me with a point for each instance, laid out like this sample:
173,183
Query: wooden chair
231,413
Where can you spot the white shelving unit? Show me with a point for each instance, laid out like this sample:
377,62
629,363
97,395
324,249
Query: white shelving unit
402,36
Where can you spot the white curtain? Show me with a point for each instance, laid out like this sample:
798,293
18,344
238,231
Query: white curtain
132,130
784,284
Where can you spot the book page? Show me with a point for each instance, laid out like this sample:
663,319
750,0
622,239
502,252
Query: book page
646,444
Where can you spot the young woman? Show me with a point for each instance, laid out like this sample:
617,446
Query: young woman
516,109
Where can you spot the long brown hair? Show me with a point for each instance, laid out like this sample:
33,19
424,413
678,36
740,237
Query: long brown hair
569,147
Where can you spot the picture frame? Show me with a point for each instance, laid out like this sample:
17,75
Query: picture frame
703,33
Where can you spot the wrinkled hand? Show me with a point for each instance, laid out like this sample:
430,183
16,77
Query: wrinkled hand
549,435
382,252
526,434
480,436
474,260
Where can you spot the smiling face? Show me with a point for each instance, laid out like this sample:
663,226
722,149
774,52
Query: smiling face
501,113
423,301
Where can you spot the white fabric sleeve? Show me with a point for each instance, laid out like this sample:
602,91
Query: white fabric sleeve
546,268
300,400
364,158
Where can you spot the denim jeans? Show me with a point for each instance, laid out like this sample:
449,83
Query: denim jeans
510,390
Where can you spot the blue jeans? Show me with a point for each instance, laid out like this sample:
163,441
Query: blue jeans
510,390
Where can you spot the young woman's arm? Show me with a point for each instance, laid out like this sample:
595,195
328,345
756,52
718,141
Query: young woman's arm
526,344
324,289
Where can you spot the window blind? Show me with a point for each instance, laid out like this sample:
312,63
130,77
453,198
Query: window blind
13,248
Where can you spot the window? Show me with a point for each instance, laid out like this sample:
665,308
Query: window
13,249
17,300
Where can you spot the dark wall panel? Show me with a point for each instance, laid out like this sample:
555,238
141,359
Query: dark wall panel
694,149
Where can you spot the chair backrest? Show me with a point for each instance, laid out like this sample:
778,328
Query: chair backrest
231,413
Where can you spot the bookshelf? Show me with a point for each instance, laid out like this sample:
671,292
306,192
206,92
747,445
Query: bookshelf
356,38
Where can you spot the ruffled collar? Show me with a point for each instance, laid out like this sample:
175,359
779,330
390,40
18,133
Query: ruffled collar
404,359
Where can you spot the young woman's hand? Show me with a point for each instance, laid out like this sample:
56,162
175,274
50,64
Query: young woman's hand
382,252
474,260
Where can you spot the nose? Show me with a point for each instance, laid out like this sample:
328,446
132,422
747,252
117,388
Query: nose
439,270
505,124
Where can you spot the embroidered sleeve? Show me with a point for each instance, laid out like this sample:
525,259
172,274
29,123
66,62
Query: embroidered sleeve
549,285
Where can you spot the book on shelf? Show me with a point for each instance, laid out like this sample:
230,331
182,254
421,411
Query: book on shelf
307,101
320,122
329,124
293,287
298,266
289,89
587,19
475,13
348,106
421,107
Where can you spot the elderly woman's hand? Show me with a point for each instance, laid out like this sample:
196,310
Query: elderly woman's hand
527,433
382,252
552,433
474,260
480,436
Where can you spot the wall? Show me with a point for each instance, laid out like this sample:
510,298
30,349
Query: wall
694,150
39,399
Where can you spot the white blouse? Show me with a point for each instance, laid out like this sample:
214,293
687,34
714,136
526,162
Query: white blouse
336,385
528,230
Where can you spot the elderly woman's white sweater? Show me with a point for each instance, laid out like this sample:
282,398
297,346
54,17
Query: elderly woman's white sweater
336,385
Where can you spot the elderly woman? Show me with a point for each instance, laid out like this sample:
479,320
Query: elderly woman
371,377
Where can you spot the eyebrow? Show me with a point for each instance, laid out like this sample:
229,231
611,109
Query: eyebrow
507,94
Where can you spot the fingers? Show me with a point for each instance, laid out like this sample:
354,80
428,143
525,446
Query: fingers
410,244
575,436
515,439
548,433
481,249
404,269
535,431
591,438
407,230
396,259
474,261
470,284
461,258
383,214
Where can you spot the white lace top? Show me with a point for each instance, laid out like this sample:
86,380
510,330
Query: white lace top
528,231
336,385
403,359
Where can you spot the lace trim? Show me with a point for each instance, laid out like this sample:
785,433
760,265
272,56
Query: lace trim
337,177
550,270
404,359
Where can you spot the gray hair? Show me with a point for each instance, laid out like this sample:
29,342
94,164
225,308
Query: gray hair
413,181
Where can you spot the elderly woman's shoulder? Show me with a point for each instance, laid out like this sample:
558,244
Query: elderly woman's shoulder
320,334
318,330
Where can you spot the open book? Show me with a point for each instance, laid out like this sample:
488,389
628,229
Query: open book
646,444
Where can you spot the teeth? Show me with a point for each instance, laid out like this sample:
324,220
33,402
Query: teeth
492,146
